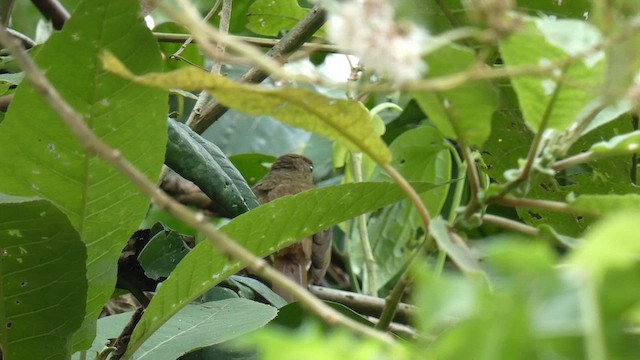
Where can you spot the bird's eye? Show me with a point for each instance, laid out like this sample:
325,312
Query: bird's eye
311,168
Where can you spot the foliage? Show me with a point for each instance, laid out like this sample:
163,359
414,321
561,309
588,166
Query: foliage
519,141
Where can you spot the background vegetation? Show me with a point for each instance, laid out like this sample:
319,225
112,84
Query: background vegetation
483,198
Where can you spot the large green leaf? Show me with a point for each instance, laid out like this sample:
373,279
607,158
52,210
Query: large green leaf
462,113
193,327
262,230
43,287
570,88
419,155
344,121
40,156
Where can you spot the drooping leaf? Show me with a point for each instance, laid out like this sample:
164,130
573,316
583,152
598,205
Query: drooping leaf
543,42
41,156
343,121
42,297
194,327
202,162
464,112
262,230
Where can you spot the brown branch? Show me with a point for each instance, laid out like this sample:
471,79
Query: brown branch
292,41
363,304
52,10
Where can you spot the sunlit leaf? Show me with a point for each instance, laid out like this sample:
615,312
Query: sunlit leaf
343,121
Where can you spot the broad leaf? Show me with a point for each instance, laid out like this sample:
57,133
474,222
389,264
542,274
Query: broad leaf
194,327
262,230
419,155
569,88
40,156
43,285
465,112
343,121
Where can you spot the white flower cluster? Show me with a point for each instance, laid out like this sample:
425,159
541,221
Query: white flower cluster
366,28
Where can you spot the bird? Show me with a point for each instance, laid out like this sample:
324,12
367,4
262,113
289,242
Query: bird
308,258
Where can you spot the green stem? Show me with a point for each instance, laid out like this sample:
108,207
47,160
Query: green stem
369,260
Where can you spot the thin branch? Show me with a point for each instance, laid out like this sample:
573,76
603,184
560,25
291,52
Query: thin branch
293,40
255,41
574,160
510,225
5,101
5,11
189,38
535,204
363,304
95,145
392,302
54,11
225,21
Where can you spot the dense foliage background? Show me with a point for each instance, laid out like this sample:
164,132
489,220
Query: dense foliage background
476,159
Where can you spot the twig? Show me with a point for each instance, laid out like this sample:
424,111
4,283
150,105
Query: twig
54,11
392,302
363,304
225,20
510,225
5,11
228,247
255,41
295,38
189,38
573,161
123,339
5,101
536,204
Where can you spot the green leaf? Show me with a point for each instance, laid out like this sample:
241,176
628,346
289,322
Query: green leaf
612,244
465,112
273,17
544,42
344,121
262,230
251,166
202,162
45,159
619,145
606,204
162,253
458,251
43,285
194,327
419,155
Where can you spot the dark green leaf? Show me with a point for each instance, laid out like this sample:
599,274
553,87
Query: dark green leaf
45,159
43,285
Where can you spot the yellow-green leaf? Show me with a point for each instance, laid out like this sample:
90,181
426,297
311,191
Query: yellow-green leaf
343,121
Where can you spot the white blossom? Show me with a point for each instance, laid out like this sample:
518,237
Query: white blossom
367,29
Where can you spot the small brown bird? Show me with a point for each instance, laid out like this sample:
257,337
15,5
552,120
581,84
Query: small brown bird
291,174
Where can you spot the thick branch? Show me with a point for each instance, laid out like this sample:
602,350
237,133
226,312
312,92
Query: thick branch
292,41
52,10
